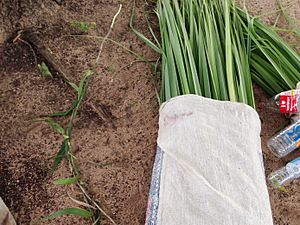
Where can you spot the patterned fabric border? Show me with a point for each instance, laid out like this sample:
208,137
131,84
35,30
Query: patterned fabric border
153,199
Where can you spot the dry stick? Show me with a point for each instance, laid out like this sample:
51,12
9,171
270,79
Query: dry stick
96,221
106,36
81,203
29,45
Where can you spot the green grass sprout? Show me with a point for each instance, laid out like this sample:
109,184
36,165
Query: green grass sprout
82,26
44,70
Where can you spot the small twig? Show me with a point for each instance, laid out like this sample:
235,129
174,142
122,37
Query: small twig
81,203
106,36
17,37
96,221
29,45
97,206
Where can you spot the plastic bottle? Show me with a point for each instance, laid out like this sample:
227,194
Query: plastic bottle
286,174
286,140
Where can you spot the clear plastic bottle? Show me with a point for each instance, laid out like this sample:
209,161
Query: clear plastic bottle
286,140
285,175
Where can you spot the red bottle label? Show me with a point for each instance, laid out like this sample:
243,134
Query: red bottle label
288,104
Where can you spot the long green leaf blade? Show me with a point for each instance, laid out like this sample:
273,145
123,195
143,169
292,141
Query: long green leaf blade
66,181
64,149
70,211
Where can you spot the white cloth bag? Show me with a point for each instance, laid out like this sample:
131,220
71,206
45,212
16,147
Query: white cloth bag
208,168
5,216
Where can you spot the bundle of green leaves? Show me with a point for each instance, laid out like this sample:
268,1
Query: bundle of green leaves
213,48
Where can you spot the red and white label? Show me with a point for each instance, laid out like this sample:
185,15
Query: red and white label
288,104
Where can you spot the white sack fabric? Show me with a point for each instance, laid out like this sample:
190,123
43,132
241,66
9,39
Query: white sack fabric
208,168
5,216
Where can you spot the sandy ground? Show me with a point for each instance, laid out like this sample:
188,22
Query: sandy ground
115,132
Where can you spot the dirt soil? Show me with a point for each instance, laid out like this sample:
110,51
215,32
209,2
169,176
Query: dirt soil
115,132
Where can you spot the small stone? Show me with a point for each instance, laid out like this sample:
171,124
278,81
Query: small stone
3,36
